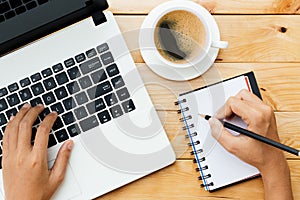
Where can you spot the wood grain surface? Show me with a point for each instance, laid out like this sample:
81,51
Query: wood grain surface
214,6
252,38
264,37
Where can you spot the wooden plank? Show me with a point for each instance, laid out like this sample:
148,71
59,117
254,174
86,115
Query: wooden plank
214,6
252,38
279,83
179,181
287,123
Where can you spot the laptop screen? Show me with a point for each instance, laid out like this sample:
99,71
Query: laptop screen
22,21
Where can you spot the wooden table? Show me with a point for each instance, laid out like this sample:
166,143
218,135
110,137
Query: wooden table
264,36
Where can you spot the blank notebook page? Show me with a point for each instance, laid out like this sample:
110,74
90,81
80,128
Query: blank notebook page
223,168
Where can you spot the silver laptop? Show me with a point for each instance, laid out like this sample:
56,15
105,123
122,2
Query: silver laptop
71,56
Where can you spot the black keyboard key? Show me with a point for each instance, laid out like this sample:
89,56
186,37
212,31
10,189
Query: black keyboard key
61,93
116,111
85,82
80,58
104,117
102,48
25,94
57,124
61,135
91,53
2,18
73,87
90,65
49,83
51,141
13,99
25,82
2,119
49,98
107,58
58,108
11,112
3,129
40,2
112,70
37,89
4,7
123,94
33,133
74,130
80,112
89,123
0,162
81,98
69,103
47,72
37,122
36,77
26,1
9,14
74,73
1,136
44,113
36,101
20,10
61,78
128,106
15,3
99,90
3,105
3,92
70,62
96,106
31,5
57,68
99,76
13,87
111,99
68,118
117,82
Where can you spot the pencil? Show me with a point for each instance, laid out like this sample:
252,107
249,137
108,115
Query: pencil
256,136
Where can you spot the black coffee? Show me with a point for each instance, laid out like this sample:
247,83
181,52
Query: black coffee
180,36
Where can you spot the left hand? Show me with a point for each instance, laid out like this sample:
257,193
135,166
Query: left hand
25,167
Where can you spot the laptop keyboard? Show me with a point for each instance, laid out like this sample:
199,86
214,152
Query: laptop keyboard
12,8
86,91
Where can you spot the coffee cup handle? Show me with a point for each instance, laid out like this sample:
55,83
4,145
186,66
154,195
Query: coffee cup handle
220,44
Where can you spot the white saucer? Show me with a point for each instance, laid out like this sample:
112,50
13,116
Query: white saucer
177,74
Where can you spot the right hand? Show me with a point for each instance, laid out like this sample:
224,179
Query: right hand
260,119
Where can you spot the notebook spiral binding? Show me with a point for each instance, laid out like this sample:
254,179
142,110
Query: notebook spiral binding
192,134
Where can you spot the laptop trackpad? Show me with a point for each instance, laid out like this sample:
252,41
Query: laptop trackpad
69,188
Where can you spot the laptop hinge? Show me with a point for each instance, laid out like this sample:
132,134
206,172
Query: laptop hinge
99,18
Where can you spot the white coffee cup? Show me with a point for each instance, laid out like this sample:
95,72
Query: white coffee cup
180,5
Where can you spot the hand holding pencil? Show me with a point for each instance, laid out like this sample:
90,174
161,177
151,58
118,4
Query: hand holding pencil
268,160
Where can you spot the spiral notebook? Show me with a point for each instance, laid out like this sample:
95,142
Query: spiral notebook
217,167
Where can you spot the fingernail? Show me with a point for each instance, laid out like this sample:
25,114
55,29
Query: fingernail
26,105
70,145
11,118
40,105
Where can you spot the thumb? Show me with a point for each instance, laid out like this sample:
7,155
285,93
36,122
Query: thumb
58,171
226,139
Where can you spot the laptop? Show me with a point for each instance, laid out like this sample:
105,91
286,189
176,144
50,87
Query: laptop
71,57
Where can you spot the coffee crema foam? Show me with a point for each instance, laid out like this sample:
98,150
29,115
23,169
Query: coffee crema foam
188,31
